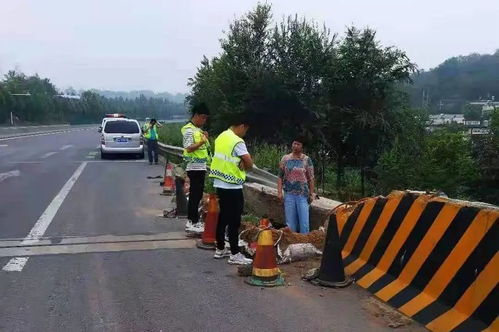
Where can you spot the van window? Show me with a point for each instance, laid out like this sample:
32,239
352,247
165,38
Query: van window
121,127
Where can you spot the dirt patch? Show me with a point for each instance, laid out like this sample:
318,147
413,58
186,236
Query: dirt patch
316,238
390,316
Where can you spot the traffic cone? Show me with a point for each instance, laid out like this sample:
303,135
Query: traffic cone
169,182
208,239
332,272
265,270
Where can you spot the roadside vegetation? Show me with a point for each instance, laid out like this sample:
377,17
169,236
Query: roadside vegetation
36,100
351,97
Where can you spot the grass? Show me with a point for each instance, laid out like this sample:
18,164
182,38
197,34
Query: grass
267,156
170,134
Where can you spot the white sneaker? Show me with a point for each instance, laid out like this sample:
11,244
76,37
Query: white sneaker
239,259
196,228
225,252
188,224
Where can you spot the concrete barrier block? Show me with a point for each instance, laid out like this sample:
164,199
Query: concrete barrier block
434,259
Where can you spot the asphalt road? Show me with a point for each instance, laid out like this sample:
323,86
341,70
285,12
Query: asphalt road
131,270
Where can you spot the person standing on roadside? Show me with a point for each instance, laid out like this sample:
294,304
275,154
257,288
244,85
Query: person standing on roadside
296,178
196,157
152,137
230,162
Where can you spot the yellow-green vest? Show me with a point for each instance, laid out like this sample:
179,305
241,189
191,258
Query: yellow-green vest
225,166
148,134
200,155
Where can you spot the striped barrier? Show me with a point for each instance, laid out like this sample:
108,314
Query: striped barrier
434,259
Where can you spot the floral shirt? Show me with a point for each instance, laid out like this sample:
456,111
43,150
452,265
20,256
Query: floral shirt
296,174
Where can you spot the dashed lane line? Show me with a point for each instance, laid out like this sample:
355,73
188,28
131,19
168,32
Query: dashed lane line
48,154
9,174
65,147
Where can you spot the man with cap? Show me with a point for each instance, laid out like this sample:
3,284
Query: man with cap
196,157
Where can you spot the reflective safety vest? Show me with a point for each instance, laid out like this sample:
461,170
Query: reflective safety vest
201,155
147,135
225,166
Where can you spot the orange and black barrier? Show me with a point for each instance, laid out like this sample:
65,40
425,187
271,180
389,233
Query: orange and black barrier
434,259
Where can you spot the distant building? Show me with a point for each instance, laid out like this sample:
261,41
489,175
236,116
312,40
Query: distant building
445,119
472,123
487,105
479,131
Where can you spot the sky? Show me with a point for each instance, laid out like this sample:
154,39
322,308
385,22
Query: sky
158,44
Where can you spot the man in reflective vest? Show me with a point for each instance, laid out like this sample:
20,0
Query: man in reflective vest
196,158
230,162
151,135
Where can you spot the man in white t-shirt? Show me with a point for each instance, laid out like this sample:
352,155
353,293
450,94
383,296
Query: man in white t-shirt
230,162
196,156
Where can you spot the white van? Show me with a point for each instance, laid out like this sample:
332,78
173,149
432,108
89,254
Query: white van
121,136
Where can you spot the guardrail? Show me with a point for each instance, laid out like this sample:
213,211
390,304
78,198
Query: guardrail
14,132
256,175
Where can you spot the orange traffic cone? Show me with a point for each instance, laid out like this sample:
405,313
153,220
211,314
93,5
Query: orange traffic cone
208,239
265,270
169,182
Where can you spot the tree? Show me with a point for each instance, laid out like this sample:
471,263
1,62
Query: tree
458,79
363,99
44,105
439,161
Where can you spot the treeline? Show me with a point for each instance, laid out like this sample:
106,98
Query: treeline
448,87
32,99
346,94
177,98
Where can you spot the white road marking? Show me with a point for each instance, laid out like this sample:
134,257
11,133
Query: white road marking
46,218
16,264
48,154
3,145
10,174
64,147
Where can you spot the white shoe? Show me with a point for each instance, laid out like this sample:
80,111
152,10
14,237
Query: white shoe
188,224
239,259
225,252
196,228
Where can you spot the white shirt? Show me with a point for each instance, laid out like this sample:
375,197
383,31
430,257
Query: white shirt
188,140
239,150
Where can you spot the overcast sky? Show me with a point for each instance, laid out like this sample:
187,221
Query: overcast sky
157,44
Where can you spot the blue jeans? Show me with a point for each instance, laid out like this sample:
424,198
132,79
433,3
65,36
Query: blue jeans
296,211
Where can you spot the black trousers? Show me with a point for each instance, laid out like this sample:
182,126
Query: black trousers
152,146
196,189
231,207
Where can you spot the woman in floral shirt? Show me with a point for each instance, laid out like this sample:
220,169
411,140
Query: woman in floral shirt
296,178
